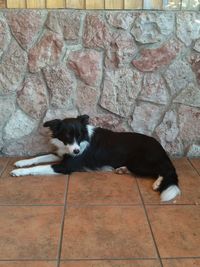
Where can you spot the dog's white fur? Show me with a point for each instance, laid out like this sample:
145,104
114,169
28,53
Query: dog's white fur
37,170
37,160
170,193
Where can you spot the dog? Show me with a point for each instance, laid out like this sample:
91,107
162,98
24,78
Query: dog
82,147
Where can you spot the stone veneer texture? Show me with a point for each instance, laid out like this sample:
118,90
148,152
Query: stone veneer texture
130,71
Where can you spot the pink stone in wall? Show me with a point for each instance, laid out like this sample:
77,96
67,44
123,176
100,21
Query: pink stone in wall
153,59
121,50
146,116
96,32
168,133
1,142
197,46
120,89
179,76
188,27
47,51
4,36
87,65
189,96
122,20
26,25
58,113
19,125
12,68
7,108
168,129
33,97
64,22
154,89
195,63
189,123
109,121
62,85
175,148
87,98
30,145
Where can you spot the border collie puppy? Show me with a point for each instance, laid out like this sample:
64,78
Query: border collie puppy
82,147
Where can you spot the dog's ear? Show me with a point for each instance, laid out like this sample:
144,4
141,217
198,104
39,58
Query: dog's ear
84,119
54,125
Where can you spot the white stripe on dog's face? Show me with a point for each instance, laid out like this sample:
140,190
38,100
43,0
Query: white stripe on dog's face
72,148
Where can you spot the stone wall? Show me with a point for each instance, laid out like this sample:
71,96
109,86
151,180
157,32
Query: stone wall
130,71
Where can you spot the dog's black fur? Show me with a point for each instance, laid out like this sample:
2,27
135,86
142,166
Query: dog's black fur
142,155
81,146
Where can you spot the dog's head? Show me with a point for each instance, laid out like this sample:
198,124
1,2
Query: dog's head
71,135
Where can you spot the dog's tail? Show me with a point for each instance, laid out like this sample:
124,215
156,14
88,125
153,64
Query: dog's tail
168,187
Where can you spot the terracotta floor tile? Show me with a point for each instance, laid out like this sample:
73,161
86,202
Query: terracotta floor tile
176,230
29,232
3,164
111,263
189,182
181,263
149,196
28,264
102,188
188,179
196,164
98,232
31,189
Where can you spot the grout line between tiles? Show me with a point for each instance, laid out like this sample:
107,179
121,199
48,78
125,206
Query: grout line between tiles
103,205
62,223
25,260
97,259
31,205
193,166
170,204
5,167
180,258
157,251
107,259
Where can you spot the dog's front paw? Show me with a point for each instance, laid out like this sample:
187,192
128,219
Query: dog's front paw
22,163
17,172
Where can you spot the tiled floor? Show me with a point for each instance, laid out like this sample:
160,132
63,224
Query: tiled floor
98,220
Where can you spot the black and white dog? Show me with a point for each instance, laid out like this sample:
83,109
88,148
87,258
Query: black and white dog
82,147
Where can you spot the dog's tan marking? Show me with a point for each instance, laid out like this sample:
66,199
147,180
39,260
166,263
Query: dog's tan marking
157,183
122,170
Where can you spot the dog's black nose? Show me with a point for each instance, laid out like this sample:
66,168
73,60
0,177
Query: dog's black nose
76,151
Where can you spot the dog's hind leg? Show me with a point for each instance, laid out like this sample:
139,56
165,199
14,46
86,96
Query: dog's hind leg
157,183
37,160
